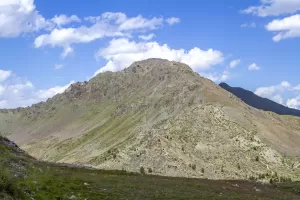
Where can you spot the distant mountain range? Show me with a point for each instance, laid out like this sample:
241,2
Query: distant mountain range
258,102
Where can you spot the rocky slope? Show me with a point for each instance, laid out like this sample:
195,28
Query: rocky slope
24,178
159,115
258,102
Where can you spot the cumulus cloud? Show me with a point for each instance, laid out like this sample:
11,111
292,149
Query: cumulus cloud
234,63
217,77
288,27
172,20
4,75
277,93
270,91
20,16
61,20
147,37
2,89
106,25
273,8
17,92
43,95
253,67
120,53
294,102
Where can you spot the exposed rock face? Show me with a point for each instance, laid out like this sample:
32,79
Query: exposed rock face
159,115
10,144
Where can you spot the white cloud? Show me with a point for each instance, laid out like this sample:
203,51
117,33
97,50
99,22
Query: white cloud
139,22
278,98
120,53
4,75
106,25
19,16
288,27
172,20
67,50
3,104
61,20
253,67
17,92
147,37
269,92
216,77
43,95
58,67
297,87
224,76
273,8
234,63
249,25
294,102
2,89
277,92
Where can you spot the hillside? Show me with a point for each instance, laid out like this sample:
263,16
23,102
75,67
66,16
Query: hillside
161,116
258,102
22,177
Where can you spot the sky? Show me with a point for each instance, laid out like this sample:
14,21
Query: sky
47,45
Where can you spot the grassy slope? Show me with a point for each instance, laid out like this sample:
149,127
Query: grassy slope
160,115
22,177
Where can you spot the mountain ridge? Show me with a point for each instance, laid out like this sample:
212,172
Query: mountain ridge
258,102
161,115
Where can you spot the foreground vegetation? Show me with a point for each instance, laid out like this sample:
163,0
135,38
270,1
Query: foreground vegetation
22,177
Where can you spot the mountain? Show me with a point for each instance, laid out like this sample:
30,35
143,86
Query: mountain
23,177
258,102
159,115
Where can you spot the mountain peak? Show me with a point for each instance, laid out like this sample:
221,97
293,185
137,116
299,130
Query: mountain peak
156,114
158,64
223,84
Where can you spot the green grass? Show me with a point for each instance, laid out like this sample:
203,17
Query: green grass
22,177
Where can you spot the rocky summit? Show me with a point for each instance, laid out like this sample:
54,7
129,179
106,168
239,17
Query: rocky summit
159,116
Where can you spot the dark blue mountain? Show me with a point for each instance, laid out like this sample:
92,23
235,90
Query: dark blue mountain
258,102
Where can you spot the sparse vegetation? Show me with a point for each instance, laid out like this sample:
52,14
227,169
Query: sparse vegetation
22,177
142,171
115,120
8,184
193,166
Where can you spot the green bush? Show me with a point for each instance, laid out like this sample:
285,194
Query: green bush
8,184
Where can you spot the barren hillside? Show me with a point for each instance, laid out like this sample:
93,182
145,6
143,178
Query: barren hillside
159,115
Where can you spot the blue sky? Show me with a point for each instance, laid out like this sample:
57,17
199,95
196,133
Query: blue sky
47,45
